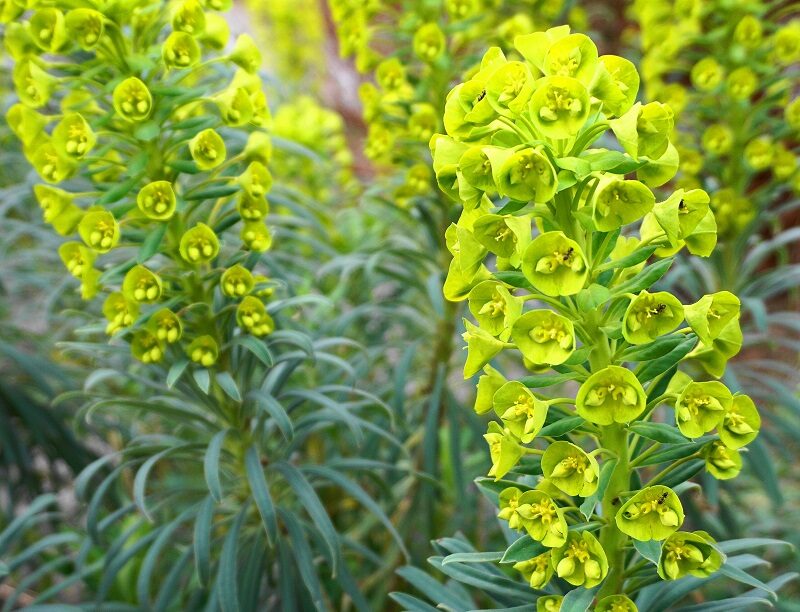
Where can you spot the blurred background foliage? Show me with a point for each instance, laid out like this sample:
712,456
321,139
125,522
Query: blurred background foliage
356,90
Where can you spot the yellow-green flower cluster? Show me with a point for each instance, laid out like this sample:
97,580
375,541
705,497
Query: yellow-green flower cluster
556,251
723,69
152,162
410,50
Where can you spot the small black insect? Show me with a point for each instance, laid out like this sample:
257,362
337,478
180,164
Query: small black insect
482,95
660,308
681,205
662,498
568,254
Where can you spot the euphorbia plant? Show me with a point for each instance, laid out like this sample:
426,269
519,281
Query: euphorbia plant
557,251
151,133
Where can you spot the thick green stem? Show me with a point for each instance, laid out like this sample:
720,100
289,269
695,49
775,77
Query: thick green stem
614,438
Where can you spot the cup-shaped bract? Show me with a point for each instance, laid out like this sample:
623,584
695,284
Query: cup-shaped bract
521,412
611,395
86,27
256,180
707,74
48,29
252,317
26,123
235,106
166,325
33,85
654,513
203,350
555,264
142,285
76,257
252,208
503,235
644,130
207,149
255,236
570,468
180,50
617,85
549,603
505,451
701,406
481,348
488,384
510,87
527,176
711,314
542,518
493,306
429,42
157,200
559,107
689,554
544,337
740,424
132,100
189,18
537,571
51,165
146,346
717,139
99,230
73,137
237,281
246,54
199,244
650,315
619,202
58,209
615,603
722,463
574,55
119,312
581,561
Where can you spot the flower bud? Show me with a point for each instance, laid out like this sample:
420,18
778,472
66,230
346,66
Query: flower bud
26,123
537,571
721,462
246,54
58,209
549,603
653,513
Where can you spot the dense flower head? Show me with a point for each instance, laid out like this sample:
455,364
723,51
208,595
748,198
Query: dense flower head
158,189
556,251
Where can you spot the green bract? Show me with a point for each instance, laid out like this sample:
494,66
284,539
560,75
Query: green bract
180,50
207,149
555,265
510,87
536,571
85,26
654,513
237,281
613,394
549,603
527,176
711,314
581,561
559,106
701,406
504,450
570,469
99,230
199,244
147,347
722,463
429,42
615,603
740,424
503,235
132,100
689,554
543,337
650,315
536,513
618,202
252,317
73,137
203,350
521,413
494,307
141,285
166,325
157,200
